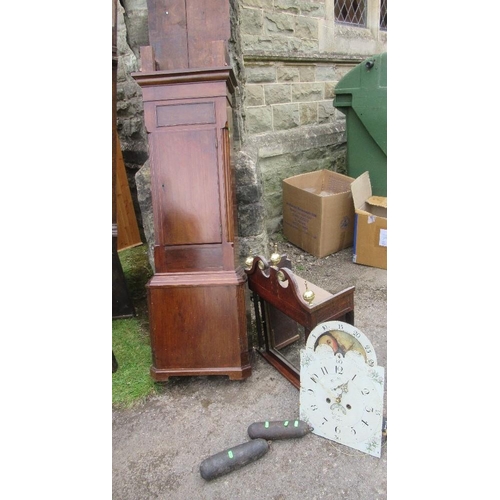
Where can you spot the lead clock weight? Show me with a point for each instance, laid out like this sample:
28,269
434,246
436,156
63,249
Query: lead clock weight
282,429
232,459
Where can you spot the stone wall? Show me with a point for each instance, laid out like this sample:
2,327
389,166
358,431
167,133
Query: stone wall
287,56
291,56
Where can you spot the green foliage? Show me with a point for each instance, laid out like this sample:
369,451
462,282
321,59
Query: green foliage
130,337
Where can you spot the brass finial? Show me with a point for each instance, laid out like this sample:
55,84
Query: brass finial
275,257
308,295
249,262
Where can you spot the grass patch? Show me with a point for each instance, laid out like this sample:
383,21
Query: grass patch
132,382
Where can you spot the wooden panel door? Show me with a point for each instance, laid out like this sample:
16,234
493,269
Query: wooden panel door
185,179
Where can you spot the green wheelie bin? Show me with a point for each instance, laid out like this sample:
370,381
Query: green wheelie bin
362,96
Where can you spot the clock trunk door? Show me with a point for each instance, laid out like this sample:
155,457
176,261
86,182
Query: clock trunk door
185,179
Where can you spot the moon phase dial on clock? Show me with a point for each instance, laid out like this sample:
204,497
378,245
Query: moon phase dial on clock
341,338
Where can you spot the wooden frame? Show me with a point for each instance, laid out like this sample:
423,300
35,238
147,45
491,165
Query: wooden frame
278,288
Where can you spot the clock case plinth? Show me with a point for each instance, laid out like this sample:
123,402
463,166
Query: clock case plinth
196,297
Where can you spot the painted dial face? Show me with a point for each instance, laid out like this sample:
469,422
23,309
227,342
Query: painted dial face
341,337
341,397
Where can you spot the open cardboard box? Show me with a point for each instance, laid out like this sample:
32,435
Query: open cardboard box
318,212
370,224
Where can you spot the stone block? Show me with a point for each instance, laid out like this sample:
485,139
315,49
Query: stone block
330,90
274,203
313,9
277,93
285,116
308,113
259,119
287,74
302,45
252,22
306,28
275,166
326,73
254,95
250,219
307,92
250,193
275,149
291,6
271,43
307,73
326,111
244,169
260,74
280,23
339,116
273,171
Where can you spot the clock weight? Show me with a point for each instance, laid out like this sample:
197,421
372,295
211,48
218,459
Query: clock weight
261,433
285,429
233,458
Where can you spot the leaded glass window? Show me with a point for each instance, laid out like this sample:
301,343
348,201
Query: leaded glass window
383,15
350,12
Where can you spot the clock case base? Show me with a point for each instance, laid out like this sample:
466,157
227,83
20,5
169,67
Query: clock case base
196,327
159,375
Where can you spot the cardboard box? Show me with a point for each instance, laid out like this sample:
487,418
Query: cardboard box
370,226
318,212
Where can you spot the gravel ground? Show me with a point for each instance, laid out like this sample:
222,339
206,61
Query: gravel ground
159,445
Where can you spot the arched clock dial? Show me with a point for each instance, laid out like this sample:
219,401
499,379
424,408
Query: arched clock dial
341,395
341,337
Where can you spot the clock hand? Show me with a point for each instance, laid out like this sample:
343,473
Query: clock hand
343,386
335,397
338,397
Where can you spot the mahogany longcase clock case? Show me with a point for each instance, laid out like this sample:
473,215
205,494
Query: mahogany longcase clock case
197,307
